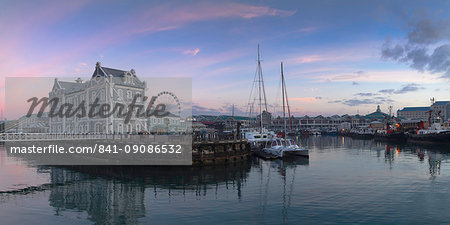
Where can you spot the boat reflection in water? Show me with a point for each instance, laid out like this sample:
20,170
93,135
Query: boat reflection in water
339,183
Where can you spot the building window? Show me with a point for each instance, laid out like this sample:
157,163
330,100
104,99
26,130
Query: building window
129,94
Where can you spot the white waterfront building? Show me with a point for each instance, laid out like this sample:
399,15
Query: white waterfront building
414,113
170,123
110,86
441,109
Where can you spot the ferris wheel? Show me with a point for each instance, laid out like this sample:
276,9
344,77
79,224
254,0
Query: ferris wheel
170,100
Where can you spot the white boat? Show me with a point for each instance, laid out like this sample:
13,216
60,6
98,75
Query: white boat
284,148
257,139
291,148
275,147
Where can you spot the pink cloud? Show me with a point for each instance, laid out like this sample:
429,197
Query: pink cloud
305,99
310,59
170,16
350,53
149,19
192,52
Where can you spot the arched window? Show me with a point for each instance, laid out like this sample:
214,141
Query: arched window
129,94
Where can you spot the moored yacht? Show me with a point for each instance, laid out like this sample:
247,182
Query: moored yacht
284,148
258,139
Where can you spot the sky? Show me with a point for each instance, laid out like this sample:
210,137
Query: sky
340,57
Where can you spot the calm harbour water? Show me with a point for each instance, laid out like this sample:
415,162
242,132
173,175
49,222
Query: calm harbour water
343,181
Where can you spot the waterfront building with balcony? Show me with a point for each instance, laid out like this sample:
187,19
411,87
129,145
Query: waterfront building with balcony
326,123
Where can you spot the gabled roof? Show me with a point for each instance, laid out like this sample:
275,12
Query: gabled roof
71,86
34,115
68,87
106,72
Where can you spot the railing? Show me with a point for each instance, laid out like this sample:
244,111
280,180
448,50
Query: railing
49,136
209,137
87,136
214,137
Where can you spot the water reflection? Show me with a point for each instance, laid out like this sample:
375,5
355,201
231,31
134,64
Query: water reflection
287,171
341,175
434,154
116,195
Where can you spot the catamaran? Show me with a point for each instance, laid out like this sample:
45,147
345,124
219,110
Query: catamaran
283,147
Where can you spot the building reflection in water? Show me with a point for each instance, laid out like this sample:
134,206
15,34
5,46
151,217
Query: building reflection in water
112,195
434,161
435,155
116,195
392,150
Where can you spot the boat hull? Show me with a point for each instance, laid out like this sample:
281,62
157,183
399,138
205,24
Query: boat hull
442,137
304,153
397,136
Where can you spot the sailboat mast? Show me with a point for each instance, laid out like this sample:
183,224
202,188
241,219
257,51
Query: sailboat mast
282,93
287,101
260,90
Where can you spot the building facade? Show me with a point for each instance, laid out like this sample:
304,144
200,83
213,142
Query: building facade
325,123
170,123
441,109
34,124
414,113
107,86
